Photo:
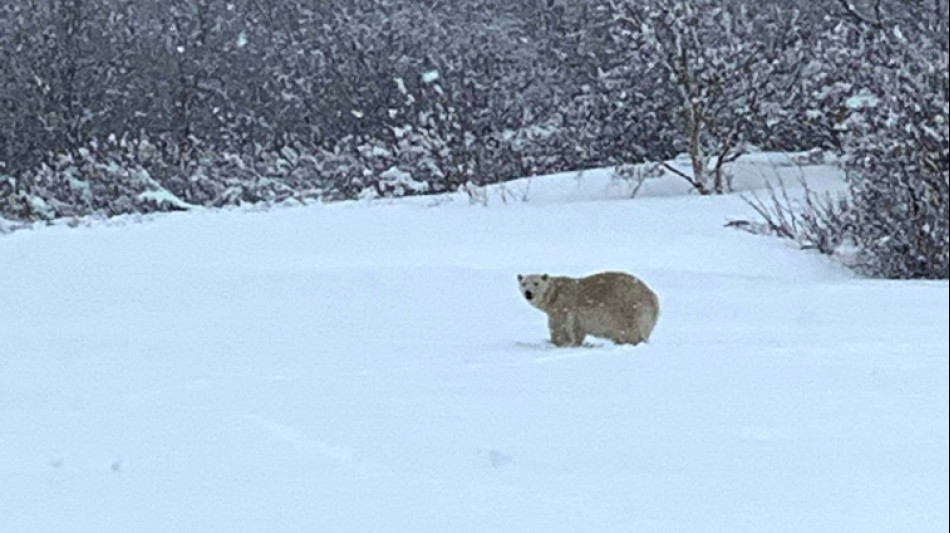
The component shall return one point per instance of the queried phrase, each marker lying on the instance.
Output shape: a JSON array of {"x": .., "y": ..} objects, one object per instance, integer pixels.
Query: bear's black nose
[{"x": 528, "y": 295}]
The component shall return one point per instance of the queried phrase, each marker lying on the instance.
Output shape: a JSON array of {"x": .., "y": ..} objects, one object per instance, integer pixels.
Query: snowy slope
[{"x": 372, "y": 368}]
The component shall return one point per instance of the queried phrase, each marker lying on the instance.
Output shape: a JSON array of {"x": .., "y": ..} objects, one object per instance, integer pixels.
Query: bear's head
[{"x": 533, "y": 287}]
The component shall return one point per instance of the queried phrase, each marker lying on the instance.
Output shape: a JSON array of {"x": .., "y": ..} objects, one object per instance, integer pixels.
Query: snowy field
[{"x": 371, "y": 367}]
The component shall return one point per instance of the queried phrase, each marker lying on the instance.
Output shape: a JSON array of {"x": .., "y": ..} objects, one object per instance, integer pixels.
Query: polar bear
[{"x": 610, "y": 305}]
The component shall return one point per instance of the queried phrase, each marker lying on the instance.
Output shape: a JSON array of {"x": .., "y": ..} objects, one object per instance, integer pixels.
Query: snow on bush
[
  {"x": 105, "y": 178},
  {"x": 880, "y": 82}
]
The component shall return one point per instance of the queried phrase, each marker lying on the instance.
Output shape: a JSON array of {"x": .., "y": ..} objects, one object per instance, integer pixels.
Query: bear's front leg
[
  {"x": 577, "y": 331},
  {"x": 564, "y": 331}
]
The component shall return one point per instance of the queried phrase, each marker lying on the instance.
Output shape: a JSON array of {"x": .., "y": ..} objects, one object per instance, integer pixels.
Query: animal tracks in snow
[{"x": 289, "y": 435}]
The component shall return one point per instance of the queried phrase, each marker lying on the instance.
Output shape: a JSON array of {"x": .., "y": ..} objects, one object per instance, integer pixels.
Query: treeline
[{"x": 116, "y": 106}]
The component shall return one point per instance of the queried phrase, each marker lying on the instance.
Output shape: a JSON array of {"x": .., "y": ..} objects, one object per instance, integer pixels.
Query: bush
[
  {"x": 886, "y": 84},
  {"x": 896, "y": 138}
]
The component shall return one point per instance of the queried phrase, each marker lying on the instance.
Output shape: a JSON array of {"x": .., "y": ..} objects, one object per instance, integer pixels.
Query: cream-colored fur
[{"x": 610, "y": 305}]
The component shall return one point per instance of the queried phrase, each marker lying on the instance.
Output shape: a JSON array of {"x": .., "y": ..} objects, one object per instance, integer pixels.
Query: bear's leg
[
  {"x": 561, "y": 337},
  {"x": 559, "y": 334},
  {"x": 577, "y": 333},
  {"x": 563, "y": 332},
  {"x": 628, "y": 335}
]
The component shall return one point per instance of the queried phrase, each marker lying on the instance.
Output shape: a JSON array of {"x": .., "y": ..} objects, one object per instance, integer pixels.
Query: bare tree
[{"x": 720, "y": 62}]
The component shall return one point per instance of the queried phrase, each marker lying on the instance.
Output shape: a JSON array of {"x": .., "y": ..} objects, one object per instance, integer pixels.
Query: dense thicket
[{"x": 116, "y": 106}]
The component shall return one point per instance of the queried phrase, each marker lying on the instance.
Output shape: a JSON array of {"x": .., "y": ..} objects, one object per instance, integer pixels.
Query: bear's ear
[
  {"x": 544, "y": 277},
  {"x": 520, "y": 277}
]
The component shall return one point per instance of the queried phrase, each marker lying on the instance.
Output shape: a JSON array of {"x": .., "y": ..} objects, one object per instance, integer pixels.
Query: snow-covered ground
[{"x": 371, "y": 367}]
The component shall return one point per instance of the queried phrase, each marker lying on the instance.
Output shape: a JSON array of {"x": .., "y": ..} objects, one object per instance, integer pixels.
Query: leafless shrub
[
  {"x": 632, "y": 177},
  {"x": 817, "y": 221}
]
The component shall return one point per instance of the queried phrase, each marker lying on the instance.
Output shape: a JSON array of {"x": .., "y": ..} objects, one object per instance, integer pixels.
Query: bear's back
[{"x": 606, "y": 284}]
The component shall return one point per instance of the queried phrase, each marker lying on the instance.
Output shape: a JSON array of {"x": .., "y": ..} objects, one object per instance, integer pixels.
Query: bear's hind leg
[{"x": 627, "y": 336}]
